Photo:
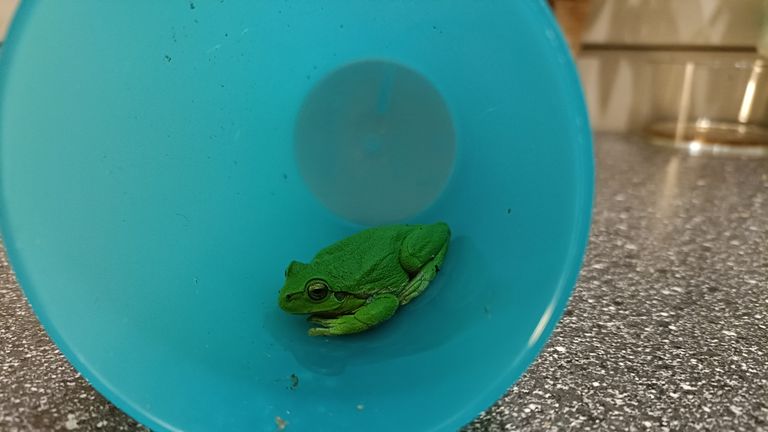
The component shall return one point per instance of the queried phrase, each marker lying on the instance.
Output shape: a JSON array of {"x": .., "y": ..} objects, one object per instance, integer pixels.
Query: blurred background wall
[
  {"x": 625, "y": 41},
  {"x": 6, "y": 12},
  {"x": 622, "y": 41}
]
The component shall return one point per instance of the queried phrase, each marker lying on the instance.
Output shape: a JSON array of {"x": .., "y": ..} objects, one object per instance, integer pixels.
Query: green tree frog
[{"x": 362, "y": 280}]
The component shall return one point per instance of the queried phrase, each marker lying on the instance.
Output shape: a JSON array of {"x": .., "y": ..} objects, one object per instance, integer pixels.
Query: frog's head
[{"x": 307, "y": 290}]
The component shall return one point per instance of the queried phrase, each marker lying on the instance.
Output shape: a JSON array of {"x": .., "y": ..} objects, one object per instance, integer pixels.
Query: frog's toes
[
  {"x": 319, "y": 331},
  {"x": 325, "y": 322}
]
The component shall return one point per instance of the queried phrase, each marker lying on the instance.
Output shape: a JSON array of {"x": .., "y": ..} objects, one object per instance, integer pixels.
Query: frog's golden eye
[{"x": 317, "y": 290}]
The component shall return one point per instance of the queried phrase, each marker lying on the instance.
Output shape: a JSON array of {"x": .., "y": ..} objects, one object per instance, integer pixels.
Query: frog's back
[
  {"x": 367, "y": 261},
  {"x": 372, "y": 242}
]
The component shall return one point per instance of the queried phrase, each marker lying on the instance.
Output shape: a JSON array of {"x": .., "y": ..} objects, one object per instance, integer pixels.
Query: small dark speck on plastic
[
  {"x": 285, "y": 176},
  {"x": 191, "y": 5},
  {"x": 509, "y": 211},
  {"x": 167, "y": 58},
  {"x": 294, "y": 381}
]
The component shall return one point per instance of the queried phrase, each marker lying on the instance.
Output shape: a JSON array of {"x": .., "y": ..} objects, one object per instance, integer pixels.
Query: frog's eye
[{"x": 317, "y": 290}]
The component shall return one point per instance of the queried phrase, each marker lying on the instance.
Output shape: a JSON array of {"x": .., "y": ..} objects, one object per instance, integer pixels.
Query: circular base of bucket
[
  {"x": 161, "y": 163},
  {"x": 375, "y": 128}
]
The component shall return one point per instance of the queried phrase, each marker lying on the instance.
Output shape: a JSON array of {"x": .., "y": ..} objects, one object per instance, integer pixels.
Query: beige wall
[
  {"x": 625, "y": 39},
  {"x": 620, "y": 85},
  {"x": 624, "y": 36},
  {"x": 7, "y": 7},
  {"x": 674, "y": 22}
]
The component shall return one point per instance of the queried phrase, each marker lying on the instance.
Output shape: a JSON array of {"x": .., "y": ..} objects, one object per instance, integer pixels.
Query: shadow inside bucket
[{"x": 460, "y": 296}]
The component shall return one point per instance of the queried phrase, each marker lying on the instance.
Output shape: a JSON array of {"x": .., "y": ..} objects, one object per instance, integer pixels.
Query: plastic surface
[{"x": 151, "y": 200}]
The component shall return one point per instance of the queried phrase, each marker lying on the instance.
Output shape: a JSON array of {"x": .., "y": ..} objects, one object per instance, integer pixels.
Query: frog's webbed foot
[
  {"x": 378, "y": 310},
  {"x": 344, "y": 324}
]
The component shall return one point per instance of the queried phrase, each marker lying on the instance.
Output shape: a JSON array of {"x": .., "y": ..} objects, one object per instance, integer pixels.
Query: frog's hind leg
[
  {"x": 422, "y": 245},
  {"x": 421, "y": 280},
  {"x": 380, "y": 309}
]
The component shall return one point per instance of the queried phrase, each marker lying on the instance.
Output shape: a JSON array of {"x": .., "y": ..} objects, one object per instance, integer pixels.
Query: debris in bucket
[
  {"x": 281, "y": 424},
  {"x": 360, "y": 407},
  {"x": 294, "y": 381},
  {"x": 509, "y": 211}
]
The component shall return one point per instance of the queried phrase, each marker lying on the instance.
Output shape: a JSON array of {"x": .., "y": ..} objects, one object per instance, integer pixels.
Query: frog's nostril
[{"x": 286, "y": 299}]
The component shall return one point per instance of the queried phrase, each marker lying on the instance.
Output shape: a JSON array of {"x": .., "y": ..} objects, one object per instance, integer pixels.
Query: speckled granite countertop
[{"x": 667, "y": 329}]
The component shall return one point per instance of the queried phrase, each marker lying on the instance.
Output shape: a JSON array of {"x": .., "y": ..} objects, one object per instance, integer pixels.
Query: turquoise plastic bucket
[{"x": 162, "y": 162}]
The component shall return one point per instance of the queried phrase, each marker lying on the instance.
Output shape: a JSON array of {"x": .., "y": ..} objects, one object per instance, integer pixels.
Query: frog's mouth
[
  {"x": 325, "y": 314},
  {"x": 347, "y": 304}
]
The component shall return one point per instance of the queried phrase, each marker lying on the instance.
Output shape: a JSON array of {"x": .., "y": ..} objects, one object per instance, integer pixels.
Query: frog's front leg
[{"x": 380, "y": 309}]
